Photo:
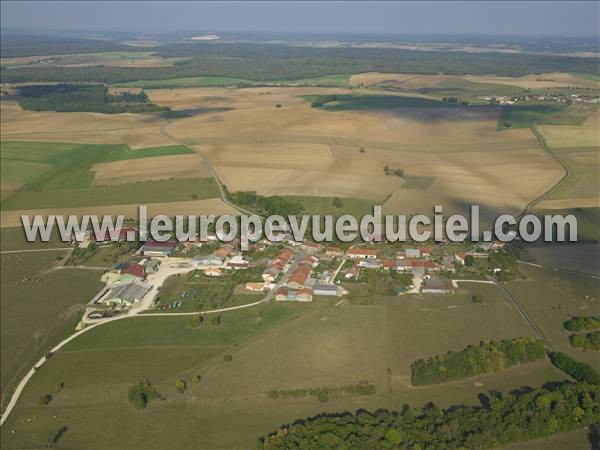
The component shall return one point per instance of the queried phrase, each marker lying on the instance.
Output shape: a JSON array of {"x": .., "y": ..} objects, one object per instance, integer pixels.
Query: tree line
[
  {"x": 65, "y": 97},
  {"x": 487, "y": 357},
  {"x": 499, "y": 420}
]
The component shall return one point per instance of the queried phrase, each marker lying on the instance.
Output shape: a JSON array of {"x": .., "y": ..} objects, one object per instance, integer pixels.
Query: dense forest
[
  {"x": 270, "y": 62},
  {"x": 499, "y": 420},
  {"x": 83, "y": 98},
  {"x": 487, "y": 357}
]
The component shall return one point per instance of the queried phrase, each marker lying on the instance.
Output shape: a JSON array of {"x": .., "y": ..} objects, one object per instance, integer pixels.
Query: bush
[
  {"x": 228, "y": 358},
  {"x": 56, "y": 436},
  {"x": 337, "y": 202},
  {"x": 582, "y": 323},
  {"x": 469, "y": 260},
  {"x": 44, "y": 399},
  {"x": 181, "y": 386},
  {"x": 216, "y": 321},
  {"x": 141, "y": 394},
  {"x": 196, "y": 321}
]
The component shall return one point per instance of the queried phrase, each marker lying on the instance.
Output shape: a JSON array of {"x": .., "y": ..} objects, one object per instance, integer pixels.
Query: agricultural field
[
  {"x": 274, "y": 346},
  {"x": 59, "y": 176},
  {"x": 32, "y": 292},
  {"x": 109, "y": 59},
  {"x": 448, "y": 153}
]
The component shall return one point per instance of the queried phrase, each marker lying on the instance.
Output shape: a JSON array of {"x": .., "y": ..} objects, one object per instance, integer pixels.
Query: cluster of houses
[{"x": 557, "y": 98}]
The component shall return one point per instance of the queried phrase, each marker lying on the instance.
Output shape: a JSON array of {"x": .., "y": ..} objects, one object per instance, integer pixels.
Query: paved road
[{"x": 6, "y": 252}]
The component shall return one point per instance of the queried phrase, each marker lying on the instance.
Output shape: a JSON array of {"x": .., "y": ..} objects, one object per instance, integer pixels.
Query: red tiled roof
[
  {"x": 135, "y": 270},
  {"x": 300, "y": 275},
  {"x": 285, "y": 254},
  {"x": 166, "y": 244},
  {"x": 362, "y": 251}
]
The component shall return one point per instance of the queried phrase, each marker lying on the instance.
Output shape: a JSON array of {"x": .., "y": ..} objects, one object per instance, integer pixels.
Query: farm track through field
[
  {"x": 222, "y": 189},
  {"x": 568, "y": 171}
]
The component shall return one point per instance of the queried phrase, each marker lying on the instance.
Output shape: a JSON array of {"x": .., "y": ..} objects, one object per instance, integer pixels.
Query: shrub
[
  {"x": 228, "y": 358},
  {"x": 477, "y": 299},
  {"x": 44, "y": 399},
  {"x": 141, "y": 394},
  {"x": 181, "y": 386}
]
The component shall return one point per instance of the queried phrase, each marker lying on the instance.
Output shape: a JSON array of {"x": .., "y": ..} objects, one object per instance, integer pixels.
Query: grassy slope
[
  {"x": 588, "y": 221},
  {"x": 296, "y": 345},
  {"x": 46, "y": 306},
  {"x": 523, "y": 115}
]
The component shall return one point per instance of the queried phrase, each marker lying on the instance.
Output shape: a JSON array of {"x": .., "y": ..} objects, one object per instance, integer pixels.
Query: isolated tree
[
  {"x": 469, "y": 260},
  {"x": 337, "y": 202}
]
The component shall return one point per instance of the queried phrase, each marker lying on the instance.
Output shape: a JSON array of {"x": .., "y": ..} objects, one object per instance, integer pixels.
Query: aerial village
[{"x": 286, "y": 271}]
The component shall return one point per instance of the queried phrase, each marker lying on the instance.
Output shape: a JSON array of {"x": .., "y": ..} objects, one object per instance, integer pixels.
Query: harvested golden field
[
  {"x": 561, "y": 136},
  {"x": 197, "y": 207},
  {"x": 135, "y": 130},
  {"x": 110, "y": 59},
  {"x": 153, "y": 168},
  {"x": 412, "y": 81},
  {"x": 450, "y": 156}
]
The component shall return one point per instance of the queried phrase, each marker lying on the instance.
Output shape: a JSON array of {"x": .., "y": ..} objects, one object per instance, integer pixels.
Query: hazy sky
[{"x": 490, "y": 18}]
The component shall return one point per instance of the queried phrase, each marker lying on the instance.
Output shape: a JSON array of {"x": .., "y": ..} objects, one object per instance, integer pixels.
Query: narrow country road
[{"x": 137, "y": 313}]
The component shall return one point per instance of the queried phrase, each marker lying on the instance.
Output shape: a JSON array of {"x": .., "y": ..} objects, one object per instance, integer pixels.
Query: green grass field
[
  {"x": 584, "y": 179},
  {"x": 208, "y": 81},
  {"x": 140, "y": 193},
  {"x": 524, "y": 115},
  {"x": 325, "y": 205},
  {"x": 59, "y": 175},
  {"x": 14, "y": 238},
  {"x": 360, "y": 101},
  {"x": 588, "y": 221},
  {"x": 574, "y": 114},
  {"x": 470, "y": 90},
  {"x": 552, "y": 297},
  {"x": 274, "y": 346},
  {"x": 199, "y": 292},
  {"x": 38, "y": 309}
]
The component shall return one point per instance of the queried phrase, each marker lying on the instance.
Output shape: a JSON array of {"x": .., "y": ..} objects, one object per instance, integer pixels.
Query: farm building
[
  {"x": 135, "y": 270},
  {"x": 370, "y": 263},
  {"x": 270, "y": 274},
  {"x": 151, "y": 265},
  {"x": 459, "y": 257},
  {"x": 413, "y": 253},
  {"x": 299, "y": 295},
  {"x": 238, "y": 262},
  {"x": 298, "y": 278},
  {"x": 207, "y": 260},
  {"x": 126, "y": 293},
  {"x": 310, "y": 247},
  {"x": 438, "y": 286},
  {"x": 160, "y": 249},
  {"x": 361, "y": 253},
  {"x": 123, "y": 235},
  {"x": 255, "y": 287},
  {"x": 213, "y": 272},
  {"x": 334, "y": 251},
  {"x": 326, "y": 289}
]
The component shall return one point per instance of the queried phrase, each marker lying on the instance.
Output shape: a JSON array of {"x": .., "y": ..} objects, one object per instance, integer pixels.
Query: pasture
[
  {"x": 274, "y": 346},
  {"x": 552, "y": 297},
  {"x": 31, "y": 294}
]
